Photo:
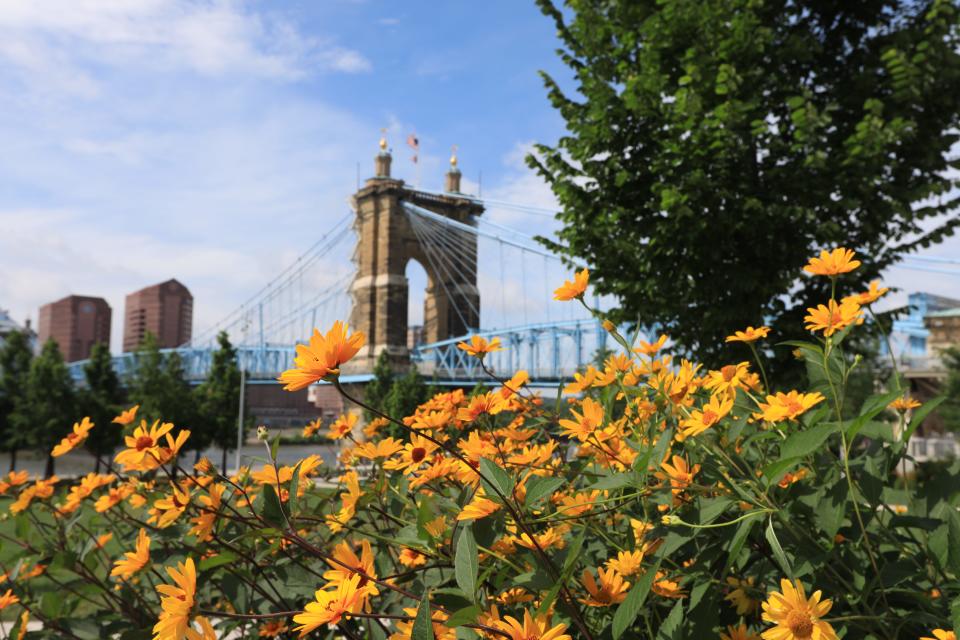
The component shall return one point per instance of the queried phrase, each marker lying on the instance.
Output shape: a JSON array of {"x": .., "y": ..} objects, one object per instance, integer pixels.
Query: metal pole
[{"x": 243, "y": 388}]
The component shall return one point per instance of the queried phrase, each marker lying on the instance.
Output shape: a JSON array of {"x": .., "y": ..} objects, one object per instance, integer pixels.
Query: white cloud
[{"x": 51, "y": 41}]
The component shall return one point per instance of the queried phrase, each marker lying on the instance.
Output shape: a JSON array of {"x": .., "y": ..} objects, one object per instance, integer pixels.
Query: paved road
[{"x": 80, "y": 462}]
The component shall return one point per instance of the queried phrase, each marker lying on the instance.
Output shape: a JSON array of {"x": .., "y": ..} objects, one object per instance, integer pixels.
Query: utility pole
[{"x": 243, "y": 389}]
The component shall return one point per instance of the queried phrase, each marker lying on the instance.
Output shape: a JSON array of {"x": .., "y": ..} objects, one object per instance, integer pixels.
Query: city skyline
[{"x": 215, "y": 142}]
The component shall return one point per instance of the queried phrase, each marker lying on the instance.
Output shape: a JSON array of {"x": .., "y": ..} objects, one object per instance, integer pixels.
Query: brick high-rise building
[
  {"x": 76, "y": 323},
  {"x": 165, "y": 310}
]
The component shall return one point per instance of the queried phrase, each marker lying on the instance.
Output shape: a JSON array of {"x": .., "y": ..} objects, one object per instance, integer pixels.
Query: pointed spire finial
[
  {"x": 453, "y": 157},
  {"x": 383, "y": 139}
]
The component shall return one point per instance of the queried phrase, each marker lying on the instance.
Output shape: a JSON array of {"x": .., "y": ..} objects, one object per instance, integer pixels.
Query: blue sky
[{"x": 213, "y": 141}]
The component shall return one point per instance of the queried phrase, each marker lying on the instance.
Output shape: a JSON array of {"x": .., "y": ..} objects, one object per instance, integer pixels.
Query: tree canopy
[
  {"x": 50, "y": 400},
  {"x": 15, "y": 359},
  {"x": 219, "y": 398},
  {"x": 712, "y": 147}
]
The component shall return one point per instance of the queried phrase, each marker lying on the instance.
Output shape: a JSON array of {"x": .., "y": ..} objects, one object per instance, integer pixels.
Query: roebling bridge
[{"x": 482, "y": 277}]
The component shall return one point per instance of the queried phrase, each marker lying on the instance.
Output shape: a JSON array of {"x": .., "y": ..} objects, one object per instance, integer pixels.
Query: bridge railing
[
  {"x": 547, "y": 351},
  {"x": 262, "y": 362}
]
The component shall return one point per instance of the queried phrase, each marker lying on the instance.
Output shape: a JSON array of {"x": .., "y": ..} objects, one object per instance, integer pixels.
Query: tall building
[
  {"x": 165, "y": 310},
  {"x": 8, "y": 325},
  {"x": 76, "y": 323}
]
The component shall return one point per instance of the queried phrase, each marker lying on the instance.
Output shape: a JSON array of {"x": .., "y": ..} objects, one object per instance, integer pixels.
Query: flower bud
[{"x": 262, "y": 433}]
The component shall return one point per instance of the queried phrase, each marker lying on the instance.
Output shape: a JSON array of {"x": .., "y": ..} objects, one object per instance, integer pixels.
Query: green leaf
[
  {"x": 274, "y": 448},
  {"x": 918, "y": 416},
  {"x": 573, "y": 554},
  {"x": 738, "y": 540},
  {"x": 872, "y": 407},
  {"x": 671, "y": 627},
  {"x": 466, "y": 615},
  {"x": 422, "y": 625},
  {"x": 222, "y": 558},
  {"x": 805, "y": 442},
  {"x": 778, "y": 553},
  {"x": 773, "y": 471},
  {"x": 953, "y": 540},
  {"x": 955, "y": 612},
  {"x": 539, "y": 487},
  {"x": 467, "y": 563},
  {"x": 294, "y": 488},
  {"x": 628, "y": 610},
  {"x": 614, "y": 481},
  {"x": 500, "y": 479},
  {"x": 270, "y": 509}
]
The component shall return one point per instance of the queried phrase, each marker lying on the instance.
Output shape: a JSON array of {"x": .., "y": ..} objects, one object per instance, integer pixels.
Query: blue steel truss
[{"x": 549, "y": 352}]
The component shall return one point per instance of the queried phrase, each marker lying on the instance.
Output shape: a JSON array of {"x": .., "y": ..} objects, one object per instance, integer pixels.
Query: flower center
[
  {"x": 418, "y": 454},
  {"x": 800, "y": 623},
  {"x": 728, "y": 372},
  {"x": 709, "y": 417},
  {"x": 144, "y": 442}
]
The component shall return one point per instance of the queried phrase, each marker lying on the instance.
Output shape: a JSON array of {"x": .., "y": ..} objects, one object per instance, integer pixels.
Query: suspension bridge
[{"x": 358, "y": 271}]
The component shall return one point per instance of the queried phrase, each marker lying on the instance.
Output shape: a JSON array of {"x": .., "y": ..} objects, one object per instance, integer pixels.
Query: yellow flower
[
  {"x": 126, "y": 417},
  {"x": 532, "y": 628},
  {"x": 832, "y": 263},
  {"x": 730, "y": 378},
  {"x": 749, "y": 334},
  {"x": 342, "y": 426},
  {"x": 103, "y": 539},
  {"x": 322, "y": 356},
  {"x": 412, "y": 558},
  {"x": 649, "y": 349},
  {"x": 710, "y": 414},
  {"x": 627, "y": 563},
  {"x": 204, "y": 522},
  {"x": 8, "y": 599},
  {"x": 941, "y": 634},
  {"x": 516, "y": 595},
  {"x": 329, "y": 607},
  {"x": 739, "y": 598},
  {"x": 206, "y": 631},
  {"x": 573, "y": 289},
  {"x": 166, "y": 510},
  {"x": 144, "y": 450},
  {"x": 13, "y": 479},
  {"x": 440, "y": 630},
  {"x": 382, "y": 449},
  {"x": 833, "y": 317},
  {"x": 584, "y": 425},
  {"x": 272, "y": 629},
  {"x": 133, "y": 561},
  {"x": 364, "y": 567},
  {"x": 741, "y": 632},
  {"x": 788, "y": 406},
  {"x": 869, "y": 296},
  {"x": 312, "y": 428},
  {"x": 479, "y": 347},
  {"x": 665, "y": 587},
  {"x": 176, "y": 602},
  {"x": 680, "y": 473},
  {"x": 80, "y": 432},
  {"x": 479, "y": 507},
  {"x": 611, "y": 590},
  {"x": 796, "y": 617},
  {"x": 903, "y": 404}
]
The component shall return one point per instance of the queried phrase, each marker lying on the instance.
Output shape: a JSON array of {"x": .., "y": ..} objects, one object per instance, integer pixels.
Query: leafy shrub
[{"x": 651, "y": 499}]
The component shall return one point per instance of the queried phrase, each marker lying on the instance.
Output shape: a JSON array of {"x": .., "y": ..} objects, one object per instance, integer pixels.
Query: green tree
[
  {"x": 100, "y": 400},
  {"x": 950, "y": 409},
  {"x": 15, "y": 359},
  {"x": 407, "y": 392},
  {"x": 219, "y": 398},
  {"x": 160, "y": 387},
  {"x": 375, "y": 392},
  {"x": 50, "y": 401},
  {"x": 713, "y": 147}
]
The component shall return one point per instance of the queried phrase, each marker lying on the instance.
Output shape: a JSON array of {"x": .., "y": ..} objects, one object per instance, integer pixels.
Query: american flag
[{"x": 414, "y": 143}]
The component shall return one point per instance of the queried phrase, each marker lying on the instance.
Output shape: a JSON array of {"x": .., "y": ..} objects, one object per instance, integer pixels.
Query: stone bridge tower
[{"x": 387, "y": 242}]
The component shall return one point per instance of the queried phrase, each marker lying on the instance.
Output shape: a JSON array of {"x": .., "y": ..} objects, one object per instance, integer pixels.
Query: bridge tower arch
[{"x": 387, "y": 241}]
